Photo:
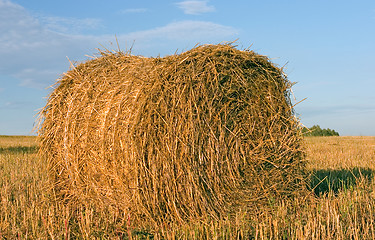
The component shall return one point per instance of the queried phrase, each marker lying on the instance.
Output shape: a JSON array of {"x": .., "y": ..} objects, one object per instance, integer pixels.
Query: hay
[{"x": 178, "y": 138}]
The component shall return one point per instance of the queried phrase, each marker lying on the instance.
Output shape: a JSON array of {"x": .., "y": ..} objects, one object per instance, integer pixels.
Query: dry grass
[
  {"x": 8, "y": 142},
  {"x": 28, "y": 209},
  {"x": 177, "y": 139},
  {"x": 340, "y": 152}
]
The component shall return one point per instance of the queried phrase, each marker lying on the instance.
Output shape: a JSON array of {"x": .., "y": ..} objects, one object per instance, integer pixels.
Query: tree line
[{"x": 316, "y": 130}]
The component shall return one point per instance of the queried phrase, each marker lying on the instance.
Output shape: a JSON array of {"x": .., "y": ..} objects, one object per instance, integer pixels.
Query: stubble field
[{"x": 341, "y": 203}]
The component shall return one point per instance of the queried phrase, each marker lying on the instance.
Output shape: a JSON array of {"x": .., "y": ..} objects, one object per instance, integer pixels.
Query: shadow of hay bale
[
  {"x": 324, "y": 181},
  {"x": 180, "y": 138}
]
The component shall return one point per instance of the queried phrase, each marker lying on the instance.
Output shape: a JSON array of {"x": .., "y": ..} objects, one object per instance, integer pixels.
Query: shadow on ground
[
  {"x": 324, "y": 180},
  {"x": 18, "y": 149}
]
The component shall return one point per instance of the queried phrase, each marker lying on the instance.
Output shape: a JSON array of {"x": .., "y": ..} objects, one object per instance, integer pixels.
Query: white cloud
[
  {"x": 175, "y": 36},
  {"x": 69, "y": 25},
  {"x": 32, "y": 53},
  {"x": 185, "y": 30},
  {"x": 195, "y": 7},
  {"x": 5, "y": 3}
]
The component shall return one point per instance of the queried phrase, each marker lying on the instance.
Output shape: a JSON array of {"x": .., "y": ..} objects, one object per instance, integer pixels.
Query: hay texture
[{"x": 183, "y": 137}]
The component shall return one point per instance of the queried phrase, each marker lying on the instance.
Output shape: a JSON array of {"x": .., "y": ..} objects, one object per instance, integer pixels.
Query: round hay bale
[{"x": 177, "y": 138}]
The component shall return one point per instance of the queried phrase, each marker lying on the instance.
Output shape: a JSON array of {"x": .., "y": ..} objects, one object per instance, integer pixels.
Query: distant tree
[{"x": 316, "y": 130}]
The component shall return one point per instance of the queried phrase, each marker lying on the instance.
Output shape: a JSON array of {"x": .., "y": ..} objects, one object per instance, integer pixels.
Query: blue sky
[{"x": 327, "y": 47}]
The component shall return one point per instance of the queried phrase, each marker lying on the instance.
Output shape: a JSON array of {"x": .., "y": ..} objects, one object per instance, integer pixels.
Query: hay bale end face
[{"x": 176, "y": 138}]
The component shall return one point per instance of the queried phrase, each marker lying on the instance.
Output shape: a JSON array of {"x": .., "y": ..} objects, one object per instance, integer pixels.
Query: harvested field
[{"x": 29, "y": 209}]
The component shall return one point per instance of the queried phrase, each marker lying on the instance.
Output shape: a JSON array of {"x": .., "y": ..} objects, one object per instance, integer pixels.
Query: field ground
[{"x": 341, "y": 204}]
